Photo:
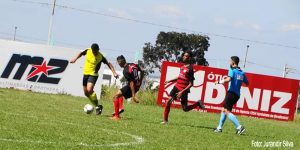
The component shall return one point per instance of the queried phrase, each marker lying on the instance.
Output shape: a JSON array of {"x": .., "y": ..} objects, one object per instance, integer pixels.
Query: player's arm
[
  {"x": 142, "y": 73},
  {"x": 78, "y": 56},
  {"x": 131, "y": 84},
  {"x": 172, "y": 80},
  {"x": 223, "y": 81},
  {"x": 191, "y": 83},
  {"x": 111, "y": 67},
  {"x": 226, "y": 79},
  {"x": 246, "y": 80},
  {"x": 179, "y": 94},
  {"x": 130, "y": 80}
]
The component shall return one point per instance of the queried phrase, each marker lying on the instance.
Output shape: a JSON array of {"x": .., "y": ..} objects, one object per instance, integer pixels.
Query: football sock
[
  {"x": 93, "y": 99},
  {"x": 166, "y": 113},
  {"x": 234, "y": 120},
  {"x": 120, "y": 99},
  {"x": 116, "y": 106},
  {"x": 222, "y": 120}
]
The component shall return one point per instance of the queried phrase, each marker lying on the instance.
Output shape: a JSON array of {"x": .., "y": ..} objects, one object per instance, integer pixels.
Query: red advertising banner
[{"x": 266, "y": 97}]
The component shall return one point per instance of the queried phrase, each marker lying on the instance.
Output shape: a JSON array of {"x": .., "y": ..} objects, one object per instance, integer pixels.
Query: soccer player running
[
  {"x": 131, "y": 74},
  {"x": 92, "y": 64},
  {"x": 236, "y": 77},
  {"x": 182, "y": 87}
]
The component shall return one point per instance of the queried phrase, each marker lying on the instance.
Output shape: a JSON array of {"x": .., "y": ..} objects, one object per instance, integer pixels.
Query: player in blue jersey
[{"x": 236, "y": 77}]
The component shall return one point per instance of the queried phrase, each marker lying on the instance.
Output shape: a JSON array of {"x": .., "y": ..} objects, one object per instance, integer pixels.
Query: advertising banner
[
  {"x": 266, "y": 96},
  {"x": 42, "y": 68}
]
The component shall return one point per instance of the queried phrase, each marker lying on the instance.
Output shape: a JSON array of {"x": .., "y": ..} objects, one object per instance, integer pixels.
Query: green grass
[
  {"x": 44, "y": 121},
  {"x": 148, "y": 96}
]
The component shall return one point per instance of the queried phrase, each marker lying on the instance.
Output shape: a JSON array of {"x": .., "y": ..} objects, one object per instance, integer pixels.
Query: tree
[{"x": 170, "y": 45}]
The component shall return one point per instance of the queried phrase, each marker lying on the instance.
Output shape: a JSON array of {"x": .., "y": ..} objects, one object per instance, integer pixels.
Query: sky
[{"x": 80, "y": 23}]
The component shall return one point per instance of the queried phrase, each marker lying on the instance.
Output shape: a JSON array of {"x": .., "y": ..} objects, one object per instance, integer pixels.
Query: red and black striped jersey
[
  {"x": 185, "y": 77},
  {"x": 130, "y": 73}
]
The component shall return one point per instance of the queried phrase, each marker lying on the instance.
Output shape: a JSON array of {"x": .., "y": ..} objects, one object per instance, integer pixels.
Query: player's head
[
  {"x": 234, "y": 61},
  {"x": 95, "y": 47},
  {"x": 121, "y": 61},
  {"x": 186, "y": 57}
]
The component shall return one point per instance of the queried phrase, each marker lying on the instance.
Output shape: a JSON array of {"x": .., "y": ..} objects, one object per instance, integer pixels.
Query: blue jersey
[{"x": 237, "y": 79}]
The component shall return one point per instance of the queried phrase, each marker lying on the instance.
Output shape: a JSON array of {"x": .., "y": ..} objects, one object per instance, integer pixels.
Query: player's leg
[
  {"x": 221, "y": 121},
  {"x": 223, "y": 116},
  {"x": 85, "y": 91},
  {"x": 120, "y": 105},
  {"x": 120, "y": 99},
  {"x": 168, "y": 104},
  {"x": 88, "y": 89},
  {"x": 126, "y": 92},
  {"x": 228, "y": 108},
  {"x": 137, "y": 99},
  {"x": 116, "y": 115},
  {"x": 186, "y": 107},
  {"x": 167, "y": 110},
  {"x": 123, "y": 92},
  {"x": 184, "y": 103},
  {"x": 92, "y": 94},
  {"x": 84, "y": 84}
]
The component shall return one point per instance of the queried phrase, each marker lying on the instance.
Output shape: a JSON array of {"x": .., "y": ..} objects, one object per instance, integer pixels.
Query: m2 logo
[{"x": 40, "y": 71}]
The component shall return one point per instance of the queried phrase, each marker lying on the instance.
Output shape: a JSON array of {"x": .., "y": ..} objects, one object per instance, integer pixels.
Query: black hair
[
  {"x": 235, "y": 59},
  {"x": 189, "y": 52},
  {"x": 95, "y": 47},
  {"x": 121, "y": 57}
]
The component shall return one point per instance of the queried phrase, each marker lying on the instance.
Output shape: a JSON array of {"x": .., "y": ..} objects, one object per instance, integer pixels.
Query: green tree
[{"x": 170, "y": 45}]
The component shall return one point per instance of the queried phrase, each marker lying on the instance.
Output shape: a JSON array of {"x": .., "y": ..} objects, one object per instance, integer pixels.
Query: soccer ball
[{"x": 88, "y": 108}]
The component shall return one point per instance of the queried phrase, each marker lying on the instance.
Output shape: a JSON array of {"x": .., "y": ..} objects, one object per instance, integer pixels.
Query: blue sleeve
[{"x": 230, "y": 73}]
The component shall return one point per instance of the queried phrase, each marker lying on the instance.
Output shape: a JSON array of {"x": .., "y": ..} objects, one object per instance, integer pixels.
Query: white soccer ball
[{"x": 88, "y": 108}]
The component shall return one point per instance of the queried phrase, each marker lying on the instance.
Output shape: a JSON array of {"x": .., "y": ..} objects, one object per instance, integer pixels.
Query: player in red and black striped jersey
[
  {"x": 131, "y": 74},
  {"x": 182, "y": 87}
]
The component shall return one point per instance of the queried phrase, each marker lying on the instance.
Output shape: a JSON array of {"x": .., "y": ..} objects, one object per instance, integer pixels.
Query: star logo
[{"x": 39, "y": 69}]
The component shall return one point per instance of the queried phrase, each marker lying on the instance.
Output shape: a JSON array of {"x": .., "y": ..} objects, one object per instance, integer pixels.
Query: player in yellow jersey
[{"x": 92, "y": 64}]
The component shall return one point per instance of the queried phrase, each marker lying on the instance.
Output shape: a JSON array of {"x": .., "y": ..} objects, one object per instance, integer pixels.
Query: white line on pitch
[{"x": 137, "y": 139}]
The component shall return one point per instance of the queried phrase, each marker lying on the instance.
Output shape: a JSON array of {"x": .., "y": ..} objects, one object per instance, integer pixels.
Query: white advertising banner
[{"x": 42, "y": 68}]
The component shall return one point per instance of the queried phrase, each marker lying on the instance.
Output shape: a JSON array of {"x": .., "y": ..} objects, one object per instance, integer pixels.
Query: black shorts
[
  {"x": 89, "y": 78},
  {"x": 230, "y": 100},
  {"x": 126, "y": 91},
  {"x": 184, "y": 96}
]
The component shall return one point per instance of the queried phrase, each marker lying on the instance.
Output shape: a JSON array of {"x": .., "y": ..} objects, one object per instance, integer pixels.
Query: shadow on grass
[
  {"x": 155, "y": 122},
  {"x": 194, "y": 126}
]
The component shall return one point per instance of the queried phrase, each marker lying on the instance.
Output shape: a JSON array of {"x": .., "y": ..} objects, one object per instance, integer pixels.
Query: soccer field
[{"x": 44, "y": 121}]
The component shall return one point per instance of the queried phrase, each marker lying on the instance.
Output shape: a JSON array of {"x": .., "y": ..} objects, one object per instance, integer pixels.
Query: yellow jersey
[{"x": 92, "y": 62}]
